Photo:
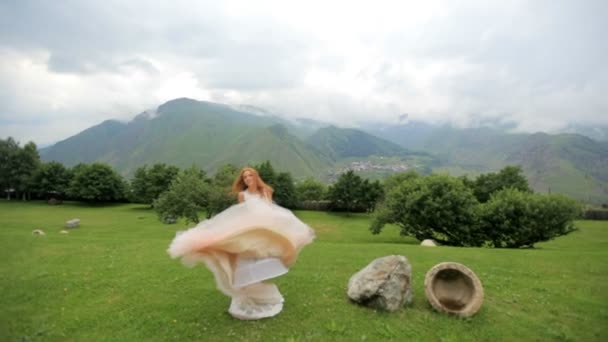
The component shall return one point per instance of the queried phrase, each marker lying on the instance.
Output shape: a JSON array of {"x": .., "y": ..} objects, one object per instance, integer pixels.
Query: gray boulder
[
  {"x": 73, "y": 223},
  {"x": 386, "y": 284}
]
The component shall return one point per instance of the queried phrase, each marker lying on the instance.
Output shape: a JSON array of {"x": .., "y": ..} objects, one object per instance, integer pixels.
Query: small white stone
[{"x": 428, "y": 243}]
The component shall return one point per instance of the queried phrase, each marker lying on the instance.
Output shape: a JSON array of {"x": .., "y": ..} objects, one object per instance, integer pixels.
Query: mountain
[
  {"x": 368, "y": 155},
  {"x": 275, "y": 143},
  {"x": 565, "y": 163},
  {"x": 183, "y": 132},
  {"x": 407, "y": 135},
  {"x": 596, "y": 132},
  {"x": 572, "y": 164},
  {"x": 87, "y": 146},
  {"x": 340, "y": 143}
]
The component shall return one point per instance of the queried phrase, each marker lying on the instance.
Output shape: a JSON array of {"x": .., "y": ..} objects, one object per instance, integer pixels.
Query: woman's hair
[{"x": 239, "y": 184}]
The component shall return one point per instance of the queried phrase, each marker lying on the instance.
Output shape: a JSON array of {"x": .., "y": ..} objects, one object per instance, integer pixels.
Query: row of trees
[{"x": 23, "y": 174}]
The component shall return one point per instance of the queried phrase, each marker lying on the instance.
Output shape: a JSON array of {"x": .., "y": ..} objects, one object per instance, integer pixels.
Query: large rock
[
  {"x": 453, "y": 288},
  {"x": 73, "y": 223},
  {"x": 383, "y": 284}
]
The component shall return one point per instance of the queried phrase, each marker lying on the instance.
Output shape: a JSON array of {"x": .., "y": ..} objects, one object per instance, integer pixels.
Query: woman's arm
[{"x": 241, "y": 197}]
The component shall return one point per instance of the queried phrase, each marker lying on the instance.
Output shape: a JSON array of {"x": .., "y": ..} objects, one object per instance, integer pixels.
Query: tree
[
  {"x": 17, "y": 165},
  {"x": 509, "y": 177},
  {"x": 371, "y": 194},
  {"x": 395, "y": 179},
  {"x": 148, "y": 184},
  {"x": 96, "y": 182},
  {"x": 345, "y": 194},
  {"x": 52, "y": 177},
  {"x": 284, "y": 190},
  {"x": 29, "y": 161},
  {"x": 220, "y": 193},
  {"x": 282, "y": 184},
  {"x": 513, "y": 218},
  {"x": 436, "y": 207},
  {"x": 266, "y": 172},
  {"x": 9, "y": 151},
  {"x": 139, "y": 185},
  {"x": 310, "y": 189},
  {"x": 186, "y": 197}
]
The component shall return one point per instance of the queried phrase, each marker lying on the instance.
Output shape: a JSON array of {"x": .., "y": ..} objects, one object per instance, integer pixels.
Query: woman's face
[{"x": 249, "y": 178}]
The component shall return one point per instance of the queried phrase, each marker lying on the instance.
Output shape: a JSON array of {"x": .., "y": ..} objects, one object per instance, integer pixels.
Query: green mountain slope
[
  {"x": 275, "y": 143},
  {"x": 476, "y": 150},
  {"x": 184, "y": 132},
  {"x": 86, "y": 146},
  {"x": 340, "y": 143},
  {"x": 565, "y": 163}
]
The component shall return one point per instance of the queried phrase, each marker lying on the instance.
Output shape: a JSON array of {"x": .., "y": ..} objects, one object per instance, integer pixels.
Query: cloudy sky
[{"x": 538, "y": 65}]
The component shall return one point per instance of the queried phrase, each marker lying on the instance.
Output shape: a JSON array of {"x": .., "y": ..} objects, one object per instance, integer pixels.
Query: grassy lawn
[{"x": 111, "y": 279}]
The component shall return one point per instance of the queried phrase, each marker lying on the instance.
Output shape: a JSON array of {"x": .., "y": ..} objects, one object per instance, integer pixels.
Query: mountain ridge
[{"x": 183, "y": 132}]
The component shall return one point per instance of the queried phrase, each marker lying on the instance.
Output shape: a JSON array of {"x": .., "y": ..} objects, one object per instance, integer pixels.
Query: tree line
[
  {"x": 23, "y": 175},
  {"x": 495, "y": 209}
]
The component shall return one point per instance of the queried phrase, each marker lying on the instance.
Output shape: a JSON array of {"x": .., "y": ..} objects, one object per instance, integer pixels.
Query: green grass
[{"x": 111, "y": 279}]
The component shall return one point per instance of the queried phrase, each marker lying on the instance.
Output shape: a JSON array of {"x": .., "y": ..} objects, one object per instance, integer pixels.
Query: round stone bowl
[{"x": 453, "y": 288}]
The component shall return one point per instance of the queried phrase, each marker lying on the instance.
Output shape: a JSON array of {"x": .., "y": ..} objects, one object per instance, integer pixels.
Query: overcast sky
[{"x": 68, "y": 65}]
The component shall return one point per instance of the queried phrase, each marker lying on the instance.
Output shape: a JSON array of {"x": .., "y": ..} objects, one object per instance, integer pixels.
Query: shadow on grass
[
  {"x": 343, "y": 214},
  {"x": 93, "y": 204},
  {"x": 67, "y": 203},
  {"x": 404, "y": 240},
  {"x": 142, "y": 207}
]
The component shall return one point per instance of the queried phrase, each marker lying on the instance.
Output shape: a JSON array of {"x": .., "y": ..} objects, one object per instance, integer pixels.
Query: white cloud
[{"x": 539, "y": 65}]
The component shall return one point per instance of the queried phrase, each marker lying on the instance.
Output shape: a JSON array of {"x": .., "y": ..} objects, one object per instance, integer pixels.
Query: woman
[{"x": 244, "y": 245}]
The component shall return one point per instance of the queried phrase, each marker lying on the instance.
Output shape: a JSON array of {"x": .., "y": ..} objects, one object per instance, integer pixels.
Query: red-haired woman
[{"x": 244, "y": 245}]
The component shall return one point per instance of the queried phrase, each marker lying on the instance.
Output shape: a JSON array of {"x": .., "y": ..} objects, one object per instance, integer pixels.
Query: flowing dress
[{"x": 246, "y": 243}]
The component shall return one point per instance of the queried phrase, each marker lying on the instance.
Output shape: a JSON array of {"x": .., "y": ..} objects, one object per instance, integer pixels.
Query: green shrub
[
  {"x": 186, "y": 197},
  {"x": 310, "y": 189},
  {"x": 436, "y": 207},
  {"x": 514, "y": 218},
  {"x": 487, "y": 184}
]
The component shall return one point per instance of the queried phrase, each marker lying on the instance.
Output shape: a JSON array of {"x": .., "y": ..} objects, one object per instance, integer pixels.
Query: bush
[
  {"x": 310, "y": 189},
  {"x": 514, "y": 218},
  {"x": 487, "y": 184},
  {"x": 436, "y": 207},
  {"x": 97, "y": 182},
  {"x": 186, "y": 197},
  {"x": 351, "y": 193}
]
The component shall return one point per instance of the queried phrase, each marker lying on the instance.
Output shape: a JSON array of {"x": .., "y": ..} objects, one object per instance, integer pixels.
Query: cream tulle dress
[{"x": 245, "y": 244}]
